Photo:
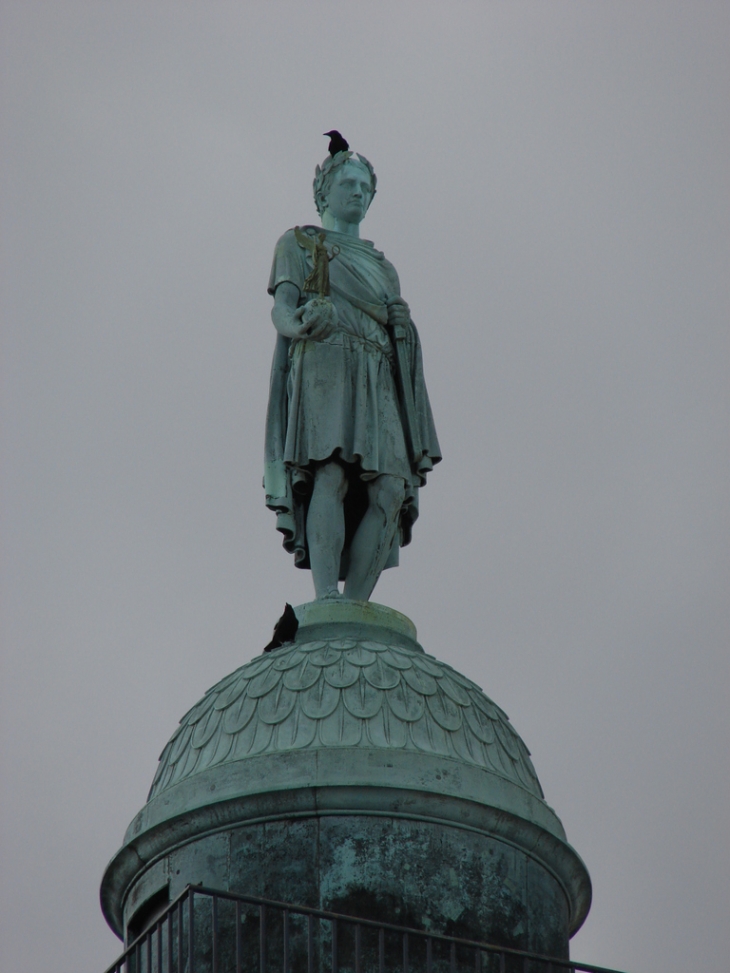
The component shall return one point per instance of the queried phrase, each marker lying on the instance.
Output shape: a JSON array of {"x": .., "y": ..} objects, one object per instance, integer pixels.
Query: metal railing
[{"x": 209, "y": 931}]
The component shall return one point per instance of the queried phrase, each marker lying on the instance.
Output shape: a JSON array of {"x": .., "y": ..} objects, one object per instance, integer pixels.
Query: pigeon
[
  {"x": 337, "y": 143},
  {"x": 284, "y": 630}
]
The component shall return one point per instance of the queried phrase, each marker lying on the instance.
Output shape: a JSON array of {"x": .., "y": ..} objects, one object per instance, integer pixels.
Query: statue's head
[{"x": 341, "y": 167}]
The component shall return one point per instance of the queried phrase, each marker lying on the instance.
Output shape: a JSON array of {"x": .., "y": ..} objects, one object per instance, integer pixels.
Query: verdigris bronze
[
  {"x": 344, "y": 768},
  {"x": 351, "y": 771},
  {"x": 350, "y": 436}
]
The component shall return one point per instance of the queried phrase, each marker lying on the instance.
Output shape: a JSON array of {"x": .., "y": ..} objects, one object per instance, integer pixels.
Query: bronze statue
[{"x": 349, "y": 435}]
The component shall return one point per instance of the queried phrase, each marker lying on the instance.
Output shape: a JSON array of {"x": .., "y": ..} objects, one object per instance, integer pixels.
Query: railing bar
[
  {"x": 322, "y": 914},
  {"x": 262, "y": 939},
  {"x": 335, "y": 966},
  {"x": 286, "y": 941},
  {"x": 310, "y": 944},
  {"x": 405, "y": 952},
  {"x": 169, "y": 942},
  {"x": 239, "y": 945},
  {"x": 134, "y": 953},
  {"x": 191, "y": 932},
  {"x": 179, "y": 936},
  {"x": 429, "y": 955},
  {"x": 159, "y": 947},
  {"x": 149, "y": 951},
  {"x": 357, "y": 947},
  {"x": 181, "y": 896},
  {"x": 502, "y": 963},
  {"x": 452, "y": 958},
  {"x": 381, "y": 951},
  {"x": 214, "y": 933}
]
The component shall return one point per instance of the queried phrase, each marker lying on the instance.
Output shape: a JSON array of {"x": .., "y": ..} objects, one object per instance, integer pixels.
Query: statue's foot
[{"x": 332, "y": 593}]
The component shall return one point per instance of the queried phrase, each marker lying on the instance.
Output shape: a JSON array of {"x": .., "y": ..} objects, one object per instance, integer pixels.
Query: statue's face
[{"x": 350, "y": 193}]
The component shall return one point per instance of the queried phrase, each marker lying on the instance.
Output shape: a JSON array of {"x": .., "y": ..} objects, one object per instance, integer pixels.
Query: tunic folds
[{"x": 337, "y": 398}]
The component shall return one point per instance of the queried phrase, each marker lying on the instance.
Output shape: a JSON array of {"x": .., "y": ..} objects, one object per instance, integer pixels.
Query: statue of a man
[{"x": 349, "y": 431}]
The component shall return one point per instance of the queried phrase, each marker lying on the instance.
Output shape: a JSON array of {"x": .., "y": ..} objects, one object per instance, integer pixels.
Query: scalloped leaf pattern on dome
[{"x": 345, "y": 693}]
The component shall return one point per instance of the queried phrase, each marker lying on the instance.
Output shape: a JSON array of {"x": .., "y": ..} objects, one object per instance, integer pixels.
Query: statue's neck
[{"x": 329, "y": 222}]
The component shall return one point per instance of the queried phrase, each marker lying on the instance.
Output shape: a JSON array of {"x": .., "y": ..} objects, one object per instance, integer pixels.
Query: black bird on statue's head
[
  {"x": 284, "y": 630},
  {"x": 337, "y": 143}
]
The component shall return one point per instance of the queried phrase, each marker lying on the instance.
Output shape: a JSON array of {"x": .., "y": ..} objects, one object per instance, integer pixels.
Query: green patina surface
[
  {"x": 350, "y": 437},
  {"x": 350, "y": 770},
  {"x": 344, "y": 690}
]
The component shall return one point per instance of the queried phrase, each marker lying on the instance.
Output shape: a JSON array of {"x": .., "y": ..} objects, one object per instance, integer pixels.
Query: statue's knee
[
  {"x": 389, "y": 493},
  {"x": 333, "y": 479}
]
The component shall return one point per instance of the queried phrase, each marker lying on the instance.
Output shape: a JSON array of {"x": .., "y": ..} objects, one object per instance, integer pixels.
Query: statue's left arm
[{"x": 399, "y": 313}]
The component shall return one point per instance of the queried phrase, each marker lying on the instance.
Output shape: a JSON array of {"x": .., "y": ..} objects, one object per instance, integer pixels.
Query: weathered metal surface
[
  {"x": 350, "y": 770},
  {"x": 350, "y": 438},
  {"x": 216, "y": 931},
  {"x": 354, "y": 692}
]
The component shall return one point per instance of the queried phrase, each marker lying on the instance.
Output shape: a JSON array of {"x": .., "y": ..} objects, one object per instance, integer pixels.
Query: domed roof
[
  {"x": 352, "y": 718},
  {"x": 358, "y": 692}
]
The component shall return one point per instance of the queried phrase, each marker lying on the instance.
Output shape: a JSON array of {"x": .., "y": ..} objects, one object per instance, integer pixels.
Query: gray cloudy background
[{"x": 554, "y": 193}]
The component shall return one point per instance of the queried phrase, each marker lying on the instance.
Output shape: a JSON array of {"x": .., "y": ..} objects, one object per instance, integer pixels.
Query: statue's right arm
[
  {"x": 313, "y": 321},
  {"x": 285, "y": 314}
]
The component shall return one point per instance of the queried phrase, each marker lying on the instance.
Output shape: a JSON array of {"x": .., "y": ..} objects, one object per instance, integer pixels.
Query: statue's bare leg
[
  {"x": 326, "y": 527},
  {"x": 374, "y": 536}
]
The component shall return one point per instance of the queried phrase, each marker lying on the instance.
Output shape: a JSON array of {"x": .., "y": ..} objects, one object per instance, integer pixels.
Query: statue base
[{"x": 341, "y": 617}]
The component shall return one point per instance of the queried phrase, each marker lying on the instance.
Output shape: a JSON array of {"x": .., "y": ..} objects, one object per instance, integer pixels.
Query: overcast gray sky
[{"x": 553, "y": 189}]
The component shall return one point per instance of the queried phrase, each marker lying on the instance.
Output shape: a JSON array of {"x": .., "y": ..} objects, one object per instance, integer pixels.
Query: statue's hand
[
  {"x": 318, "y": 319},
  {"x": 399, "y": 314}
]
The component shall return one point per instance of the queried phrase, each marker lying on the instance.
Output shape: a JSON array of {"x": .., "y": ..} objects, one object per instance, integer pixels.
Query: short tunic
[{"x": 342, "y": 399}]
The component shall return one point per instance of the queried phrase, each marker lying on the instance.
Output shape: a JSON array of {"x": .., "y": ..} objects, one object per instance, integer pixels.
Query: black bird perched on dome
[
  {"x": 284, "y": 630},
  {"x": 337, "y": 142}
]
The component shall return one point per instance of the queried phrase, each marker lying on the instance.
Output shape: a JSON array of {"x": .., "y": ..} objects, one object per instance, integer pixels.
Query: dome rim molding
[{"x": 499, "y": 812}]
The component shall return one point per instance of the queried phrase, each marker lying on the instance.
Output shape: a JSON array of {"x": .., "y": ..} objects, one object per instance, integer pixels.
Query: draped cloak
[{"x": 342, "y": 398}]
